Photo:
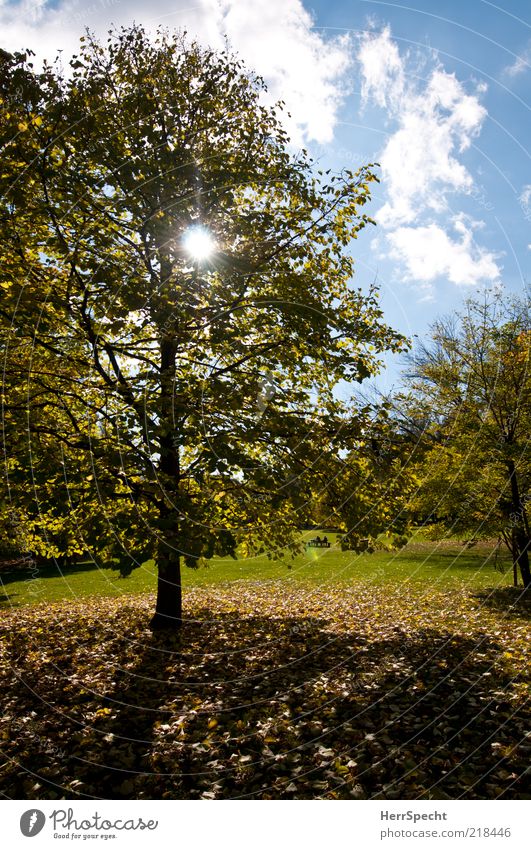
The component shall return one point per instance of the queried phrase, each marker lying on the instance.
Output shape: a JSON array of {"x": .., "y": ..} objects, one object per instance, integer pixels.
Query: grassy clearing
[{"x": 442, "y": 565}]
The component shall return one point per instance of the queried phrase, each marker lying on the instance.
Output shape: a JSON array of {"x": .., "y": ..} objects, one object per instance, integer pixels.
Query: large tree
[
  {"x": 197, "y": 392},
  {"x": 468, "y": 414}
]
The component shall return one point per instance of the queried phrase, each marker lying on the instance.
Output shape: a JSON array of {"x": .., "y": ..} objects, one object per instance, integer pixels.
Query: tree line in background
[{"x": 158, "y": 406}]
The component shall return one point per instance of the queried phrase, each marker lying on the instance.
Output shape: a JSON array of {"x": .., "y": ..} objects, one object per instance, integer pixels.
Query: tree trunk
[
  {"x": 521, "y": 528},
  {"x": 168, "y": 611},
  {"x": 523, "y": 558},
  {"x": 514, "y": 556}
]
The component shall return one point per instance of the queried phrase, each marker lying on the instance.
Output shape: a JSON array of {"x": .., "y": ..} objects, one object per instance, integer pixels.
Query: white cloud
[
  {"x": 303, "y": 69},
  {"x": 525, "y": 196},
  {"x": 429, "y": 252},
  {"x": 521, "y": 64},
  {"x": 277, "y": 39},
  {"x": 383, "y": 77},
  {"x": 435, "y": 120}
]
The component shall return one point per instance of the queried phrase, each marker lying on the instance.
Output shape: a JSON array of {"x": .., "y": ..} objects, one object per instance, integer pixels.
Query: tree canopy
[{"x": 469, "y": 410}]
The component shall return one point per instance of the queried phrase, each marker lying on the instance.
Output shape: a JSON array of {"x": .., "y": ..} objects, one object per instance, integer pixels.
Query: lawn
[
  {"x": 437, "y": 564},
  {"x": 398, "y": 675}
]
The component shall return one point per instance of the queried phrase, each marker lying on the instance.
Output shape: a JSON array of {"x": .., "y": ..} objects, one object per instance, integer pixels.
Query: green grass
[{"x": 439, "y": 564}]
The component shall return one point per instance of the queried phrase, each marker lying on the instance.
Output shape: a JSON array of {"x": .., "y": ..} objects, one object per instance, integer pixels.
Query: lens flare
[{"x": 198, "y": 243}]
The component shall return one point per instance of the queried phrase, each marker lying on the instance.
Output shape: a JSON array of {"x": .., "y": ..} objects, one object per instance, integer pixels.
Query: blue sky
[
  {"x": 438, "y": 94},
  {"x": 442, "y": 97}
]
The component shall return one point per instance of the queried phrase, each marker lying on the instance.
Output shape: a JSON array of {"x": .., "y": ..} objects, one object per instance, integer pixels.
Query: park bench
[{"x": 318, "y": 543}]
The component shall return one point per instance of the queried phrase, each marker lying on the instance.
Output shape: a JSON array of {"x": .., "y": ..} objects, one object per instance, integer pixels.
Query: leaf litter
[{"x": 362, "y": 692}]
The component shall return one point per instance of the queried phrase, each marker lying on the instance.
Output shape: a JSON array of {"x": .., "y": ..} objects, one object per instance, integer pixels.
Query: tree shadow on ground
[
  {"x": 5, "y": 597},
  {"x": 265, "y": 707},
  {"x": 460, "y": 557},
  {"x": 34, "y": 571},
  {"x": 512, "y": 601}
]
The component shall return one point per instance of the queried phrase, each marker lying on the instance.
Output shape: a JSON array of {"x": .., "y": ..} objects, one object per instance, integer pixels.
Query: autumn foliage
[{"x": 345, "y": 693}]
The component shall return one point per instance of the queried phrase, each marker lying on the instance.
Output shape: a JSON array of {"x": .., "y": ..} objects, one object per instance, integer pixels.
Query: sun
[{"x": 199, "y": 243}]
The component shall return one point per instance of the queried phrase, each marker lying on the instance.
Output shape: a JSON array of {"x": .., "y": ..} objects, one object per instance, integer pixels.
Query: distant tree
[
  {"x": 364, "y": 490},
  {"x": 193, "y": 394},
  {"x": 468, "y": 410}
]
